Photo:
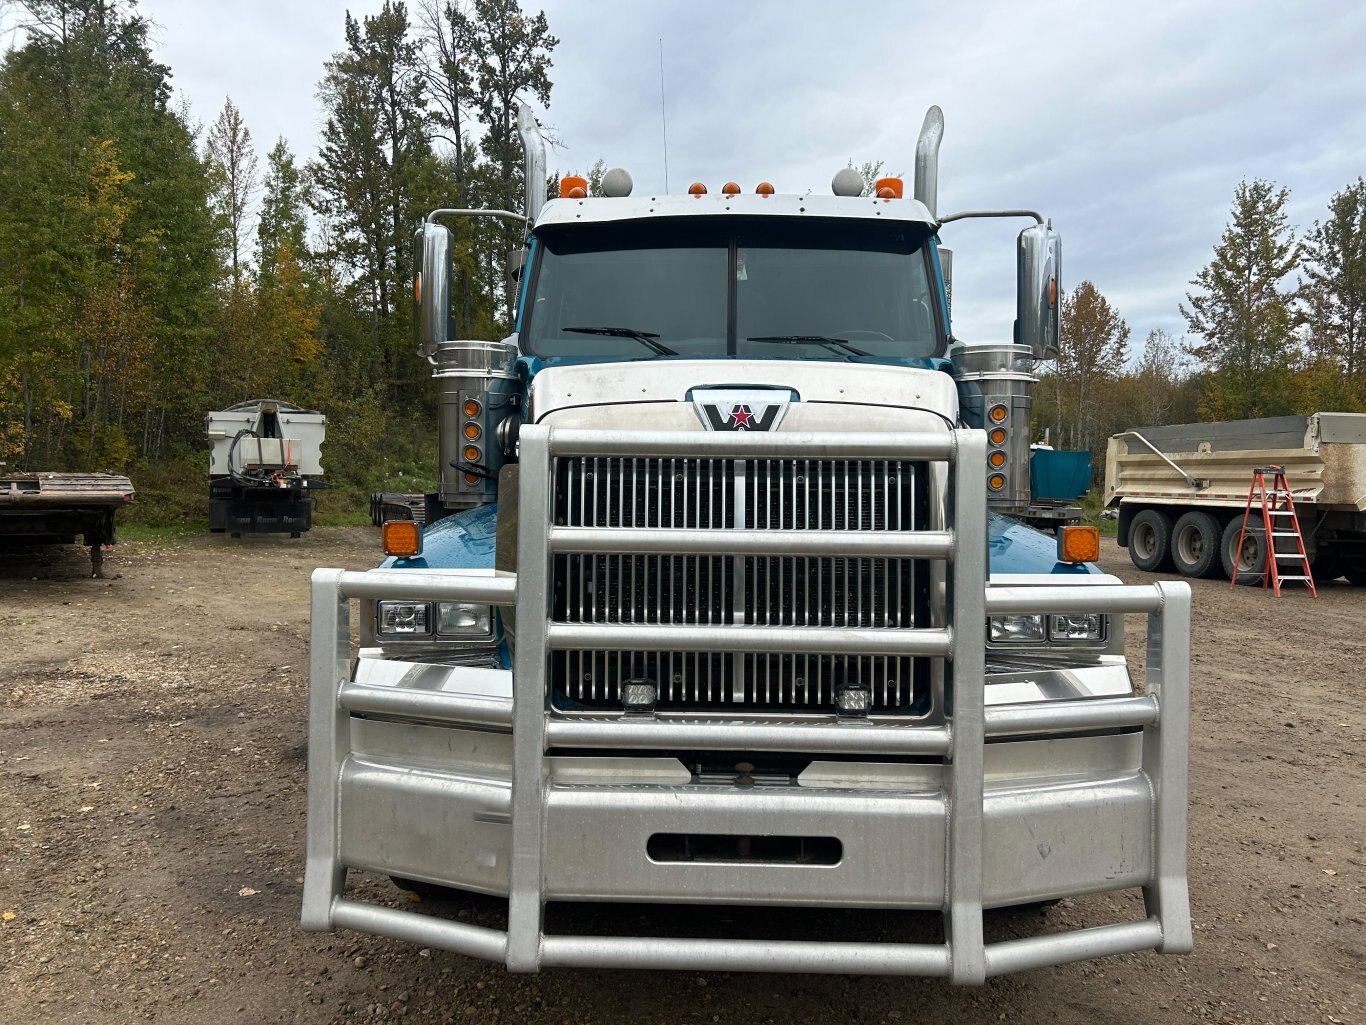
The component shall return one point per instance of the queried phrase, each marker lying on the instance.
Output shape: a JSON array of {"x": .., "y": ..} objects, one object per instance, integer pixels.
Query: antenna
[{"x": 663, "y": 120}]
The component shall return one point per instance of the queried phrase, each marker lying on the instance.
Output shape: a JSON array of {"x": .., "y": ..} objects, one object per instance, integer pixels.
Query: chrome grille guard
[{"x": 1162, "y": 713}]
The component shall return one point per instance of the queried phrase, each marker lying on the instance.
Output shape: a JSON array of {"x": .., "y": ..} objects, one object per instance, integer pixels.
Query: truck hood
[{"x": 671, "y": 387}]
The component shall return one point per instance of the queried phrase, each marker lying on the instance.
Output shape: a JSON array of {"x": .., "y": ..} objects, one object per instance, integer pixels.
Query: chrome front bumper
[{"x": 1003, "y": 805}]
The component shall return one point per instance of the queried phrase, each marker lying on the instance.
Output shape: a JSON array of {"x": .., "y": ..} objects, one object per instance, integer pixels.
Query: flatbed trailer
[
  {"x": 1181, "y": 491},
  {"x": 55, "y": 508}
]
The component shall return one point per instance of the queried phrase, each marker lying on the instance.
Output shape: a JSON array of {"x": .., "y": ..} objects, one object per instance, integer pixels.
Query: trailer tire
[
  {"x": 1150, "y": 541},
  {"x": 1195, "y": 545},
  {"x": 1247, "y": 566}
]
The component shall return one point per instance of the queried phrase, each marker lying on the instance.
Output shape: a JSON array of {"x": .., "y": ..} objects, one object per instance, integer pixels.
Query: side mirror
[
  {"x": 432, "y": 288},
  {"x": 515, "y": 262},
  {"x": 1038, "y": 271},
  {"x": 946, "y": 268}
]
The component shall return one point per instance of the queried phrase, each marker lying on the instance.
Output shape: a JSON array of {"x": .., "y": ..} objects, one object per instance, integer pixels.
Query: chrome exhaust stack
[
  {"x": 533, "y": 154},
  {"x": 927, "y": 159}
]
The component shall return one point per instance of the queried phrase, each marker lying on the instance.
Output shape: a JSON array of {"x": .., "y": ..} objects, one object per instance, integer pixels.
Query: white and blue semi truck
[{"x": 720, "y": 602}]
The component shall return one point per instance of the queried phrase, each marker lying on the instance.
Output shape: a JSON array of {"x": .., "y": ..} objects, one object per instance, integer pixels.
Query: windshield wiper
[
  {"x": 834, "y": 344},
  {"x": 646, "y": 338}
]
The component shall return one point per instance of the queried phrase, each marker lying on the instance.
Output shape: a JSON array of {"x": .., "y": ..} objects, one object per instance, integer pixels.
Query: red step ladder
[{"x": 1278, "y": 516}]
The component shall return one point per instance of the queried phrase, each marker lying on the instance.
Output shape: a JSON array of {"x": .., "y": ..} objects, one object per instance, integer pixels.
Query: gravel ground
[{"x": 152, "y": 762}]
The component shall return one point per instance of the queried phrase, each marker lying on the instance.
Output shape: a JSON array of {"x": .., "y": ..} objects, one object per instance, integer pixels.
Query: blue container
[{"x": 1059, "y": 476}]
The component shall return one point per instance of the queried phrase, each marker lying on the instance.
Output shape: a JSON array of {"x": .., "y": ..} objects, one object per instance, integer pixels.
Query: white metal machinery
[
  {"x": 265, "y": 456},
  {"x": 684, "y": 703}
]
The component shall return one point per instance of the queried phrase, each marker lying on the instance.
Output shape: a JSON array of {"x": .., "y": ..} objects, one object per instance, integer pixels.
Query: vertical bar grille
[{"x": 721, "y": 589}]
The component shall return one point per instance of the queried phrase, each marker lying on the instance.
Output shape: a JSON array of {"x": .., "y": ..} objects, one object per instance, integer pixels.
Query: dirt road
[{"x": 152, "y": 761}]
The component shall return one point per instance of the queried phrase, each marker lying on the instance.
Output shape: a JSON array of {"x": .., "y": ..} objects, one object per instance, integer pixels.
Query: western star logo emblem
[{"x": 734, "y": 409}]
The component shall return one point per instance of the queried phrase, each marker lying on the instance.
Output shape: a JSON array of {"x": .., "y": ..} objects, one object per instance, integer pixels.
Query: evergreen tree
[
  {"x": 1244, "y": 321},
  {"x": 1333, "y": 297},
  {"x": 283, "y": 221},
  {"x": 509, "y": 54},
  {"x": 374, "y": 150},
  {"x": 233, "y": 177}
]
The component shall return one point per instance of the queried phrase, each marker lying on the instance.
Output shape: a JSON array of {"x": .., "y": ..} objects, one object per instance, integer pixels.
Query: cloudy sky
[{"x": 1129, "y": 124}]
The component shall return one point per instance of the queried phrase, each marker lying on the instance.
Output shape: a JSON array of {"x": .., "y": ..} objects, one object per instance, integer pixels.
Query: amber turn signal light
[
  {"x": 997, "y": 459},
  {"x": 997, "y": 436},
  {"x": 401, "y": 537},
  {"x": 998, "y": 413},
  {"x": 1078, "y": 544},
  {"x": 996, "y": 481},
  {"x": 472, "y": 407}
]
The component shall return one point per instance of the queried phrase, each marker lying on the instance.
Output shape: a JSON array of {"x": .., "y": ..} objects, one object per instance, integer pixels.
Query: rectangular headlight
[
  {"x": 403, "y": 619},
  {"x": 1017, "y": 629},
  {"x": 1089, "y": 626},
  {"x": 458, "y": 619}
]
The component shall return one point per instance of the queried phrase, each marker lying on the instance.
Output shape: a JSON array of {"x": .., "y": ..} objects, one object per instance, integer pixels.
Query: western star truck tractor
[{"x": 717, "y": 604}]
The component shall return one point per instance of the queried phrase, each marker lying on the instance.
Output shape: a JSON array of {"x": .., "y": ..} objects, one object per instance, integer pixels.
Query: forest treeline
[
  {"x": 152, "y": 269},
  {"x": 1277, "y": 323}
]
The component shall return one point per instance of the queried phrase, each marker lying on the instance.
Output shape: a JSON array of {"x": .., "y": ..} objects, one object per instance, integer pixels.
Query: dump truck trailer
[
  {"x": 1182, "y": 491},
  {"x": 56, "y": 508}
]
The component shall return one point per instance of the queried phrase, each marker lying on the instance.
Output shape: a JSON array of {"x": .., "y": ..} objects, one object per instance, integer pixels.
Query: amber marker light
[
  {"x": 472, "y": 454},
  {"x": 402, "y": 538},
  {"x": 997, "y": 459},
  {"x": 697, "y": 189},
  {"x": 472, "y": 430},
  {"x": 471, "y": 478},
  {"x": 573, "y": 187},
  {"x": 997, "y": 436},
  {"x": 996, "y": 481},
  {"x": 764, "y": 189},
  {"x": 730, "y": 189},
  {"x": 998, "y": 413},
  {"x": 417, "y": 287},
  {"x": 1078, "y": 544},
  {"x": 888, "y": 188},
  {"x": 472, "y": 407}
]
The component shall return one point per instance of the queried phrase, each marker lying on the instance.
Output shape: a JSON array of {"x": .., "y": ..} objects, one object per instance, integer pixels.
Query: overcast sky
[{"x": 1129, "y": 124}]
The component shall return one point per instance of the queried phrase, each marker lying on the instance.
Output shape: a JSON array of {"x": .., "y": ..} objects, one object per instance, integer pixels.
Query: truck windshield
[{"x": 819, "y": 289}]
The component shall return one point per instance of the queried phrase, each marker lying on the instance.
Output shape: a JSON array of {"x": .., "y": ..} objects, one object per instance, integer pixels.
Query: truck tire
[
  {"x": 1249, "y": 565},
  {"x": 1195, "y": 545},
  {"x": 1150, "y": 541}
]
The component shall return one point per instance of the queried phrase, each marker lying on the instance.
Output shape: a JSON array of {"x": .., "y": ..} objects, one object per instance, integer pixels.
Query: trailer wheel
[
  {"x": 1195, "y": 545},
  {"x": 1150, "y": 541},
  {"x": 1248, "y": 565}
]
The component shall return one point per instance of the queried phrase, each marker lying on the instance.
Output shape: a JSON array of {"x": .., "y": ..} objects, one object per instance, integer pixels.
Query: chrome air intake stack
[
  {"x": 478, "y": 390},
  {"x": 995, "y": 391}
]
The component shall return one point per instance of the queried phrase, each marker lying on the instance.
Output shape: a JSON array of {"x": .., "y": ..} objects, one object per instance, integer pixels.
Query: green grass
[
  {"x": 1091, "y": 507},
  {"x": 162, "y": 532}
]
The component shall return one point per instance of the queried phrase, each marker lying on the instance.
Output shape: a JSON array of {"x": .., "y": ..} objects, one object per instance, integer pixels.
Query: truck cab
[{"x": 718, "y": 604}]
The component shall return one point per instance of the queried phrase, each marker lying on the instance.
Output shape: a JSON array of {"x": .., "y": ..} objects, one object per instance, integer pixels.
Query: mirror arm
[
  {"x": 964, "y": 215},
  {"x": 506, "y": 215}
]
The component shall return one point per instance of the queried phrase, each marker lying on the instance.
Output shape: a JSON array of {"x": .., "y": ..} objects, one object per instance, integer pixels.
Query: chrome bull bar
[{"x": 964, "y": 957}]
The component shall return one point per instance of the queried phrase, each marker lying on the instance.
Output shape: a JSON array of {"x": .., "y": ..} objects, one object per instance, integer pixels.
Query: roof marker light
[
  {"x": 730, "y": 189},
  {"x": 697, "y": 189},
  {"x": 764, "y": 189},
  {"x": 572, "y": 186},
  {"x": 888, "y": 188}
]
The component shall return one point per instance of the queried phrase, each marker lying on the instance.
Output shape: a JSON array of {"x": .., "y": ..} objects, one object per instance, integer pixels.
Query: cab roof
[{"x": 603, "y": 209}]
